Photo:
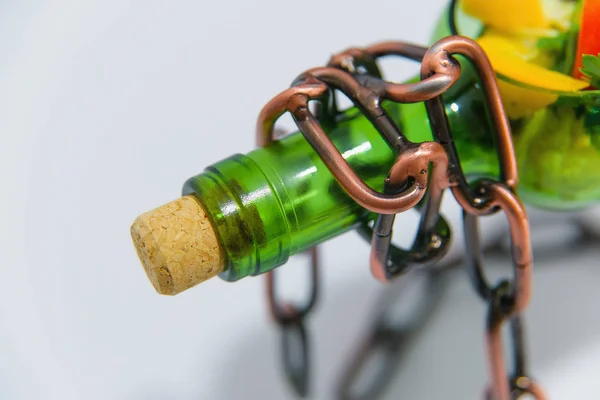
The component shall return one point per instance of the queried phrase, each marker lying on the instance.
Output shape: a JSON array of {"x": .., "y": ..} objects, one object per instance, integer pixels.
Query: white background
[{"x": 106, "y": 107}]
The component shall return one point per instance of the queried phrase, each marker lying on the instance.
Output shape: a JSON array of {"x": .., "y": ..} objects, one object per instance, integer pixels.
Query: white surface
[{"x": 106, "y": 108}]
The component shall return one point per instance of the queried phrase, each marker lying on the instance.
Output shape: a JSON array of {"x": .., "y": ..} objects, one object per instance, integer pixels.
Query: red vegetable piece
[{"x": 589, "y": 34}]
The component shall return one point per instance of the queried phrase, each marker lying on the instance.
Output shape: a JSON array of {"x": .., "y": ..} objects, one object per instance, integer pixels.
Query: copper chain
[{"x": 418, "y": 178}]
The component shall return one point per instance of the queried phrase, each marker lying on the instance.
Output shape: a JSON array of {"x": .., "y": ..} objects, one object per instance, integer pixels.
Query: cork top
[{"x": 177, "y": 245}]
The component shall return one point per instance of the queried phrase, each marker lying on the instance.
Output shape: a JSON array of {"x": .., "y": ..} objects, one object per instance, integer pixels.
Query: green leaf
[
  {"x": 591, "y": 68},
  {"x": 555, "y": 43},
  {"x": 591, "y": 65}
]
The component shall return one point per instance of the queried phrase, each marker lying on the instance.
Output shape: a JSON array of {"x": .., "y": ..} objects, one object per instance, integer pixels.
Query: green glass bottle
[
  {"x": 280, "y": 200},
  {"x": 557, "y": 146}
]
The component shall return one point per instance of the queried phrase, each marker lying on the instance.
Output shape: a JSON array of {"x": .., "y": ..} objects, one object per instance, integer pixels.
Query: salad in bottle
[{"x": 546, "y": 55}]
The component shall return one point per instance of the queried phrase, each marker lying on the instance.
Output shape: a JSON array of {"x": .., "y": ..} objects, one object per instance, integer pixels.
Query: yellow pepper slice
[
  {"x": 507, "y": 15},
  {"x": 506, "y": 57}
]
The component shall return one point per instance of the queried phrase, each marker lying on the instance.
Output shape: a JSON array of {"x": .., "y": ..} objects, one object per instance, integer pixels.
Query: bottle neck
[{"x": 280, "y": 200}]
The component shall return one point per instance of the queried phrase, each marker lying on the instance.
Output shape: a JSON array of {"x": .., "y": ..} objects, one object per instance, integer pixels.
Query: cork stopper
[{"x": 177, "y": 245}]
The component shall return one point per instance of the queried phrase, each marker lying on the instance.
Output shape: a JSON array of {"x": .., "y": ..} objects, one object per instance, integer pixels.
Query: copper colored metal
[
  {"x": 498, "y": 195},
  {"x": 351, "y": 183},
  {"x": 509, "y": 298},
  {"x": 378, "y": 50},
  {"x": 422, "y": 156},
  {"x": 311, "y": 89},
  {"x": 499, "y": 388},
  {"x": 441, "y": 52},
  {"x": 353, "y": 59},
  {"x": 503, "y": 387},
  {"x": 393, "y": 48},
  {"x": 367, "y": 99},
  {"x": 286, "y": 312},
  {"x": 445, "y": 74},
  {"x": 433, "y": 86},
  {"x": 390, "y": 335},
  {"x": 289, "y": 316},
  {"x": 420, "y": 169},
  {"x": 524, "y": 385},
  {"x": 265, "y": 134},
  {"x": 295, "y": 100},
  {"x": 430, "y": 243}
]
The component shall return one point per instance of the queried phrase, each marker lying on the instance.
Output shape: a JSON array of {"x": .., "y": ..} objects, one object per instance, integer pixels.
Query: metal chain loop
[
  {"x": 518, "y": 382},
  {"x": 501, "y": 197},
  {"x": 290, "y": 317},
  {"x": 441, "y": 53},
  {"x": 389, "y": 337},
  {"x": 295, "y": 100},
  {"x": 419, "y": 168},
  {"x": 286, "y": 312},
  {"x": 356, "y": 62},
  {"x": 291, "y": 320},
  {"x": 433, "y": 236},
  {"x": 295, "y": 352},
  {"x": 509, "y": 297},
  {"x": 411, "y": 165}
]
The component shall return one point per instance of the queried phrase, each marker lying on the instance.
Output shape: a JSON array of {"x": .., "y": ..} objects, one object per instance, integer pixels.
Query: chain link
[
  {"x": 433, "y": 235},
  {"x": 509, "y": 298},
  {"x": 418, "y": 178},
  {"x": 389, "y": 336},
  {"x": 295, "y": 352}
]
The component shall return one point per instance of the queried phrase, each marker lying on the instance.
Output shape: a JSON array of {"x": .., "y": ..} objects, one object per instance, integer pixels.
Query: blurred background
[{"x": 107, "y": 107}]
